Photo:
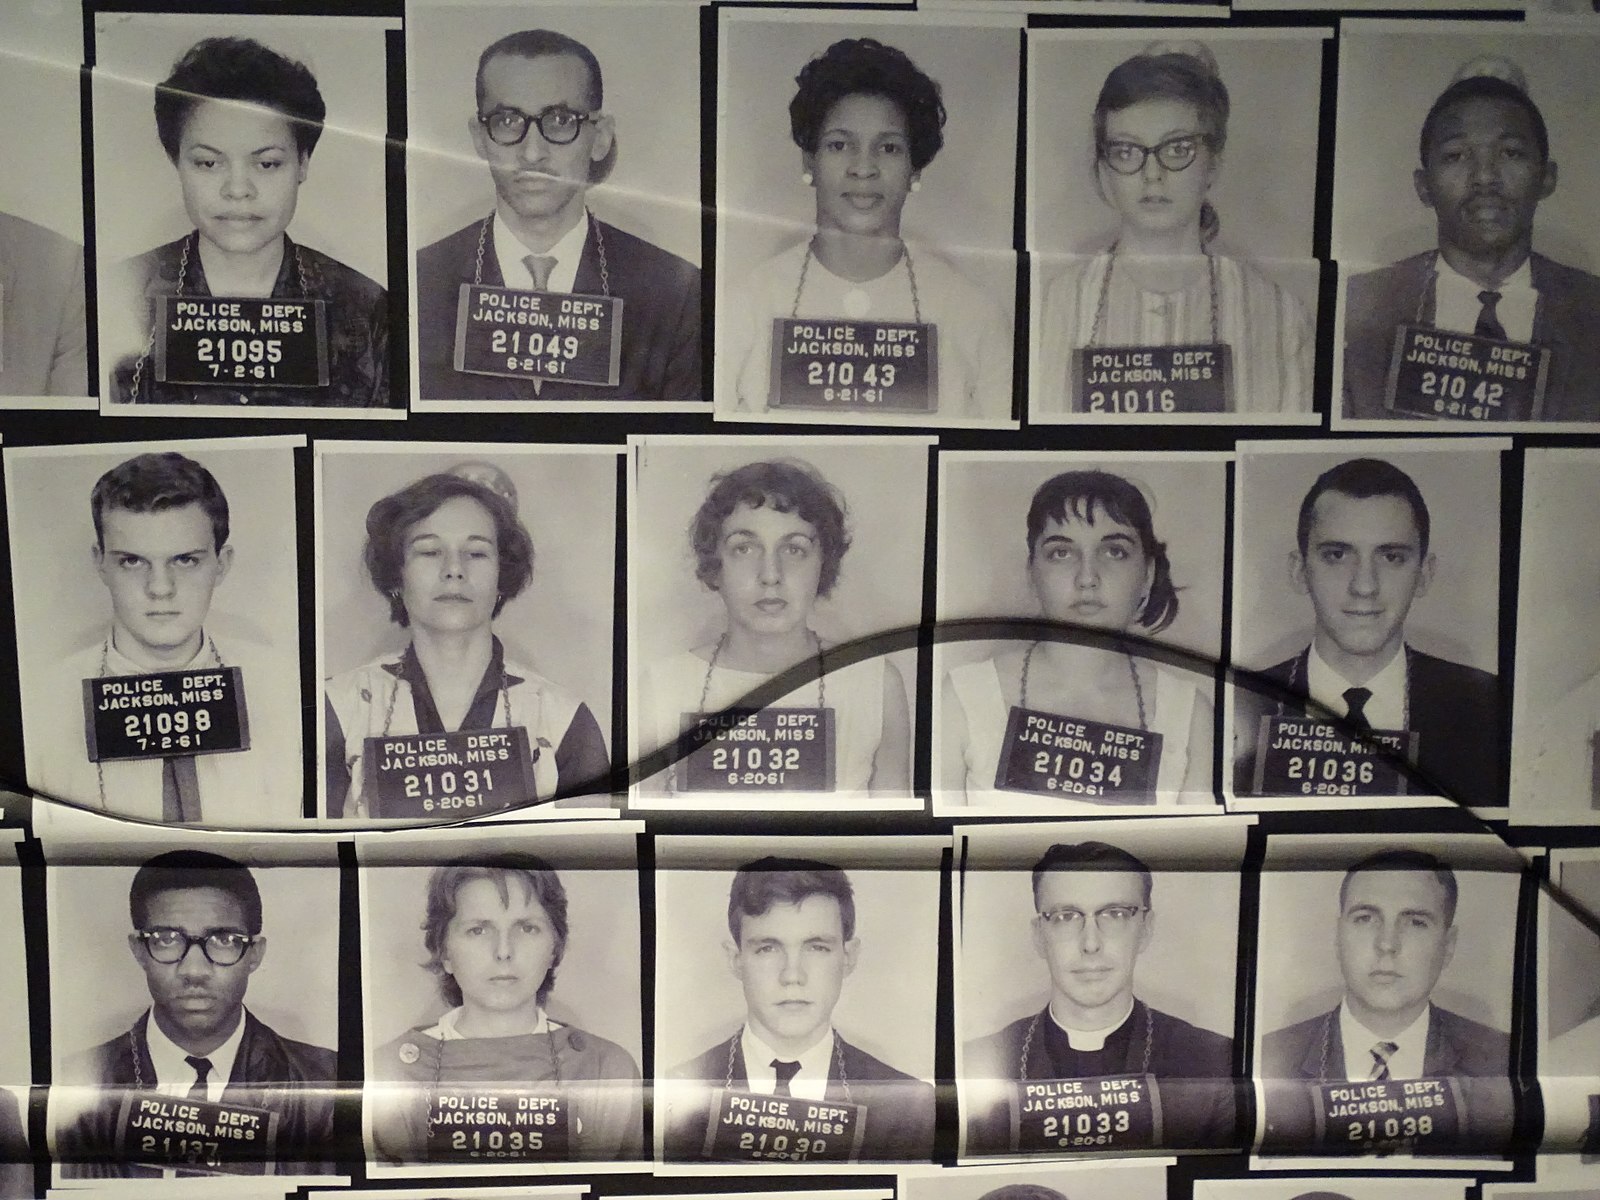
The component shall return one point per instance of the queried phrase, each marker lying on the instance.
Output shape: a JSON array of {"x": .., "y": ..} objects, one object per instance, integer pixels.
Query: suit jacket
[
  {"x": 44, "y": 350},
  {"x": 1313, "y": 1052},
  {"x": 899, "y": 1116},
  {"x": 295, "y": 1080},
  {"x": 1193, "y": 1068},
  {"x": 1567, "y": 320},
  {"x": 660, "y": 319},
  {"x": 1455, "y": 712}
]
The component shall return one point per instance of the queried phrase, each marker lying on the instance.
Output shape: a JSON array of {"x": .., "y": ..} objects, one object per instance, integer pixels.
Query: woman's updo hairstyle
[
  {"x": 1182, "y": 71},
  {"x": 865, "y": 66},
  {"x": 1090, "y": 495}
]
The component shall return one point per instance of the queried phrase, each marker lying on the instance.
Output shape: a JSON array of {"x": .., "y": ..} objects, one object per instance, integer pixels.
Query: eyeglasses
[
  {"x": 222, "y": 947},
  {"x": 1113, "y": 918},
  {"x": 558, "y": 124},
  {"x": 1175, "y": 153}
]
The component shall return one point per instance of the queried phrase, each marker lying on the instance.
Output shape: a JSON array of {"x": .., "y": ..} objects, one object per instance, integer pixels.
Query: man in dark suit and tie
[
  {"x": 1363, "y": 558},
  {"x": 541, "y": 128},
  {"x": 1396, "y": 935},
  {"x": 1485, "y": 166},
  {"x": 792, "y": 924}
]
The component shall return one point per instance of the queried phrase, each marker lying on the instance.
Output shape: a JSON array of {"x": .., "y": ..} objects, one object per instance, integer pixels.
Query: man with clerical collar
[
  {"x": 792, "y": 927},
  {"x": 197, "y": 937},
  {"x": 1396, "y": 935},
  {"x": 541, "y": 128},
  {"x": 1485, "y": 166},
  {"x": 1093, "y": 918},
  {"x": 161, "y": 549},
  {"x": 1363, "y": 558}
]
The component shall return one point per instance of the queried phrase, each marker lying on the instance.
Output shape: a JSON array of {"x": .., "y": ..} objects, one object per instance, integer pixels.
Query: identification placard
[
  {"x": 1110, "y": 1112},
  {"x": 539, "y": 335},
  {"x": 238, "y": 341},
  {"x": 196, "y": 1135},
  {"x": 1052, "y": 755},
  {"x": 759, "y": 750},
  {"x": 457, "y": 774},
  {"x": 167, "y": 713},
  {"x": 750, "y": 1127},
  {"x": 473, "y": 1125},
  {"x": 1459, "y": 376},
  {"x": 841, "y": 365},
  {"x": 1388, "y": 1115},
  {"x": 1302, "y": 756},
  {"x": 1132, "y": 381}
]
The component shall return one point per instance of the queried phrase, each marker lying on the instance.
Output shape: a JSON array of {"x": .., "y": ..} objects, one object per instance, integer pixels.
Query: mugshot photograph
[
  {"x": 43, "y": 340},
  {"x": 1171, "y": 188},
  {"x": 157, "y": 634},
  {"x": 795, "y": 1000},
  {"x": 503, "y": 1004},
  {"x": 161, "y": 1066},
  {"x": 865, "y": 233},
  {"x": 1471, "y": 296},
  {"x": 557, "y": 223},
  {"x": 1569, "y": 1003},
  {"x": 1367, "y": 580},
  {"x": 1411, "y": 1186},
  {"x": 1090, "y": 543},
  {"x": 16, "y": 1067},
  {"x": 1106, "y": 1179},
  {"x": 1555, "y": 770},
  {"x": 1384, "y": 994},
  {"x": 464, "y": 575},
  {"x": 757, "y": 557},
  {"x": 1095, "y": 1001},
  {"x": 266, "y": 123}
]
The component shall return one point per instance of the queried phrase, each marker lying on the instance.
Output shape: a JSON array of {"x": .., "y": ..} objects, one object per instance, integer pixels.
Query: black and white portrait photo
[
  {"x": 1105, "y": 1179},
  {"x": 1095, "y": 987},
  {"x": 1366, "y": 624},
  {"x": 795, "y": 1000},
  {"x": 1107, "y": 547},
  {"x": 502, "y": 1001},
  {"x": 16, "y": 1068},
  {"x": 1302, "y": 1187},
  {"x": 1384, "y": 994},
  {"x": 865, "y": 215},
  {"x": 1569, "y": 1003},
  {"x": 1462, "y": 180},
  {"x": 157, "y": 628},
  {"x": 251, "y": 273},
  {"x": 1170, "y": 189},
  {"x": 1556, "y": 723},
  {"x": 43, "y": 337},
  {"x": 554, "y": 166},
  {"x": 465, "y": 594},
  {"x": 162, "y": 1068},
  {"x": 756, "y": 558}
]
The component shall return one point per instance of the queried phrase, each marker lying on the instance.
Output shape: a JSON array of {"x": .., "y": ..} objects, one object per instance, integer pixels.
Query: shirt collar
[
  {"x": 118, "y": 663},
  {"x": 568, "y": 249},
  {"x": 1090, "y": 1039},
  {"x": 195, "y": 281},
  {"x": 1521, "y": 278},
  {"x": 1411, "y": 1044},
  {"x": 447, "y": 1030},
  {"x": 175, "y": 1076},
  {"x": 1384, "y": 710},
  {"x": 480, "y": 713},
  {"x": 810, "y": 1081}
]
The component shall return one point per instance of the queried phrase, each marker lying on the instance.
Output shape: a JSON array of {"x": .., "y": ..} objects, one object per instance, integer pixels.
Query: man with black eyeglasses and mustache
[{"x": 198, "y": 1085}]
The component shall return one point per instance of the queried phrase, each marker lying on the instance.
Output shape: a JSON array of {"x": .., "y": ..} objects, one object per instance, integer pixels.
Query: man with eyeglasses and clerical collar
[
  {"x": 787, "y": 1087},
  {"x": 540, "y": 300},
  {"x": 198, "y": 1085},
  {"x": 1097, "y": 1068},
  {"x": 1518, "y": 333},
  {"x": 1388, "y": 1069}
]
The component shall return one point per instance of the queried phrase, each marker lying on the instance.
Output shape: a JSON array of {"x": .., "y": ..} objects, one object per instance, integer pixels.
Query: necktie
[
  {"x": 1380, "y": 1060},
  {"x": 202, "y": 1071},
  {"x": 540, "y": 266},
  {"x": 786, "y": 1071},
  {"x": 1488, "y": 325},
  {"x": 1356, "y": 699},
  {"x": 180, "y": 790}
]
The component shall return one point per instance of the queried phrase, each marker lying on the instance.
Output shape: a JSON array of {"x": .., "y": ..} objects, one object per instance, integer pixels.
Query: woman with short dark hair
[
  {"x": 495, "y": 932},
  {"x": 448, "y": 552},
  {"x": 239, "y": 123},
  {"x": 1093, "y": 561}
]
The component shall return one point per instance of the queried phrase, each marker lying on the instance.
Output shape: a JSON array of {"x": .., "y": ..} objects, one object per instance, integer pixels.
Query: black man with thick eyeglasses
[
  {"x": 540, "y": 299},
  {"x": 198, "y": 1085},
  {"x": 1097, "y": 1068}
]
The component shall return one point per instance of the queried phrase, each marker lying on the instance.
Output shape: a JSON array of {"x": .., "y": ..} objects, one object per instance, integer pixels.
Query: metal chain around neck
[
  {"x": 716, "y": 653},
  {"x": 1133, "y": 671},
  {"x": 599, "y": 245},
  {"x": 911, "y": 276},
  {"x": 1102, "y": 303}
]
